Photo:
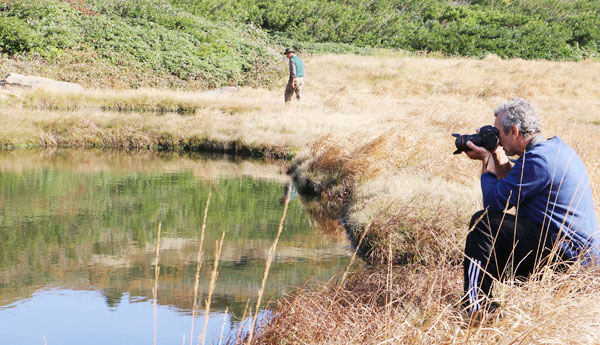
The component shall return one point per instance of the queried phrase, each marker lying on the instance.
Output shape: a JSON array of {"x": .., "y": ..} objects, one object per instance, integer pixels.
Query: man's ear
[{"x": 514, "y": 131}]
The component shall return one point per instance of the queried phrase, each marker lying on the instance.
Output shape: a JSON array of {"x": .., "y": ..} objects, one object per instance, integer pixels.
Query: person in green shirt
[{"x": 296, "y": 81}]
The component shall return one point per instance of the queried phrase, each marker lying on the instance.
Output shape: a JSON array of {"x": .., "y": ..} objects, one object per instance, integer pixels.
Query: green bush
[
  {"x": 221, "y": 42},
  {"x": 55, "y": 22},
  {"x": 181, "y": 44},
  {"x": 531, "y": 29},
  {"x": 16, "y": 36}
]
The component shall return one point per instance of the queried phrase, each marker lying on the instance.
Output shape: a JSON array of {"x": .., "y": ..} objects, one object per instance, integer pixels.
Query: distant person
[
  {"x": 554, "y": 222},
  {"x": 296, "y": 80}
]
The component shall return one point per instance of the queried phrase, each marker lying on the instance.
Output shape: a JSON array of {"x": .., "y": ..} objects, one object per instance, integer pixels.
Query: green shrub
[
  {"x": 221, "y": 42},
  {"x": 16, "y": 36},
  {"x": 54, "y": 21},
  {"x": 531, "y": 29}
]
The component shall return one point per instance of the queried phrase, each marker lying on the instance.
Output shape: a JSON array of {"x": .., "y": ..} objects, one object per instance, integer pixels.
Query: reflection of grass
[
  {"x": 211, "y": 286},
  {"x": 198, "y": 266},
  {"x": 268, "y": 263},
  {"x": 156, "y": 274}
]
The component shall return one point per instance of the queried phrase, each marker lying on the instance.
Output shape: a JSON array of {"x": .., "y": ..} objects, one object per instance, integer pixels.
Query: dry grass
[
  {"x": 373, "y": 136},
  {"x": 417, "y": 309}
]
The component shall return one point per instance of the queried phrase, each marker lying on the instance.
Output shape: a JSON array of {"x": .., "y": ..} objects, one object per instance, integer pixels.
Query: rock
[
  {"x": 14, "y": 80},
  {"x": 227, "y": 89}
]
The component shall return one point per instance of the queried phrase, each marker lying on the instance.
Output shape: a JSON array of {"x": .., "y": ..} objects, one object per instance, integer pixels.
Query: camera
[{"x": 486, "y": 138}]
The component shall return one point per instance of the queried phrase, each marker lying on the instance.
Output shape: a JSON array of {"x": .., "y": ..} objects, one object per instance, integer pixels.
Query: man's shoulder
[{"x": 550, "y": 147}]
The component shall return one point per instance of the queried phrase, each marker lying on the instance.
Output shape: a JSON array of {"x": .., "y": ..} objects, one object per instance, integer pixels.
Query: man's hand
[
  {"x": 495, "y": 162},
  {"x": 293, "y": 83},
  {"x": 477, "y": 152}
]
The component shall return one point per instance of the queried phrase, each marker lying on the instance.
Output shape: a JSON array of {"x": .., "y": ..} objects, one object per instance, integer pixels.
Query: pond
[{"x": 78, "y": 240}]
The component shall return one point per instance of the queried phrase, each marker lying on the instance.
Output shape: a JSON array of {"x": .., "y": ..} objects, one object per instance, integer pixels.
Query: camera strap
[{"x": 536, "y": 140}]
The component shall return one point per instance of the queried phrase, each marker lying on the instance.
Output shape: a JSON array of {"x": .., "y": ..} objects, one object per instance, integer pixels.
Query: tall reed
[
  {"x": 198, "y": 266},
  {"x": 213, "y": 281},
  {"x": 239, "y": 332},
  {"x": 156, "y": 273}
]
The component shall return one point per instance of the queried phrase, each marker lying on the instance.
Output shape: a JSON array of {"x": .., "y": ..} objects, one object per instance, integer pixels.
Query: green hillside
[{"x": 211, "y": 43}]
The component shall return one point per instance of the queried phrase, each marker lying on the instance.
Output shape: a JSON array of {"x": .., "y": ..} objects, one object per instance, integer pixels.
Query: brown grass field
[{"x": 373, "y": 138}]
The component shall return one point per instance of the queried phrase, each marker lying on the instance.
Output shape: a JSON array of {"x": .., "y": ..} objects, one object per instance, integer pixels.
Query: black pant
[{"x": 499, "y": 247}]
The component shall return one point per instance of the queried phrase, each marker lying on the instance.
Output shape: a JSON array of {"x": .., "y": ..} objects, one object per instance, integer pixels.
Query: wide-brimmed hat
[{"x": 289, "y": 50}]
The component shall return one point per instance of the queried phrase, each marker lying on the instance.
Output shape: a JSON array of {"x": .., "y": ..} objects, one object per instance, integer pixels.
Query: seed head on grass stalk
[{"x": 223, "y": 326}]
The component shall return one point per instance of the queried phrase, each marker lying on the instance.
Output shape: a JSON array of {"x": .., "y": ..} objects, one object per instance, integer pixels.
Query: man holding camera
[{"x": 554, "y": 221}]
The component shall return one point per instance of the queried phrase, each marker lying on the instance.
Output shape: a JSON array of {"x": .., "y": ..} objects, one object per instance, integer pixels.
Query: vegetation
[
  {"x": 201, "y": 44},
  {"x": 399, "y": 187},
  {"x": 137, "y": 37},
  {"x": 530, "y": 29}
]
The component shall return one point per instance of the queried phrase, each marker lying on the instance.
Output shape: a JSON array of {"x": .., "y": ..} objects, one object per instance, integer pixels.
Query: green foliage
[
  {"x": 531, "y": 29},
  {"x": 142, "y": 35},
  {"x": 224, "y": 42},
  {"x": 54, "y": 22},
  {"x": 16, "y": 36},
  {"x": 155, "y": 34}
]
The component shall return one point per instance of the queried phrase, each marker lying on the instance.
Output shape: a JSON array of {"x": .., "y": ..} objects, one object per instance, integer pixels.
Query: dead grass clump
[
  {"x": 425, "y": 217},
  {"x": 418, "y": 234},
  {"x": 337, "y": 163},
  {"x": 365, "y": 311}
]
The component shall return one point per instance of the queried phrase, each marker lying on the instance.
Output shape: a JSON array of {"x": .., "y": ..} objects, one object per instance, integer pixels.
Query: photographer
[{"x": 554, "y": 220}]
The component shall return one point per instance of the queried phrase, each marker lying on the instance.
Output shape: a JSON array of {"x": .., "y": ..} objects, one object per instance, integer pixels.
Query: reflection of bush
[{"x": 112, "y": 297}]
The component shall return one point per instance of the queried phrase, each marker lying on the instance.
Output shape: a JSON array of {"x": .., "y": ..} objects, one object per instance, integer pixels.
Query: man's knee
[
  {"x": 479, "y": 238},
  {"x": 477, "y": 217}
]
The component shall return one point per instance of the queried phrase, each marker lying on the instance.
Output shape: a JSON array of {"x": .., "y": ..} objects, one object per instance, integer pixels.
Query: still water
[{"x": 78, "y": 236}]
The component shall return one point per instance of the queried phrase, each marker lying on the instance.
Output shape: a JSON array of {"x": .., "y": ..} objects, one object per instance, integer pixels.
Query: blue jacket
[{"x": 554, "y": 191}]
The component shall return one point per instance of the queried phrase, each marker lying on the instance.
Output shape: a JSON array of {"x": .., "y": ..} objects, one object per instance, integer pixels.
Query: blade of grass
[{"x": 242, "y": 322}]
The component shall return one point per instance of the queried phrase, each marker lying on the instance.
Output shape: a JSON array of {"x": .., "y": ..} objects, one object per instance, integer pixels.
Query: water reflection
[{"x": 80, "y": 227}]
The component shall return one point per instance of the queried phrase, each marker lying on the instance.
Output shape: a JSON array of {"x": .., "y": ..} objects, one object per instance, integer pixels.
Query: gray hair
[{"x": 518, "y": 112}]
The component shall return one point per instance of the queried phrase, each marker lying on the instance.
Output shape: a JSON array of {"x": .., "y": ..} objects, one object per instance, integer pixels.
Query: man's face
[
  {"x": 506, "y": 139},
  {"x": 289, "y": 55}
]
